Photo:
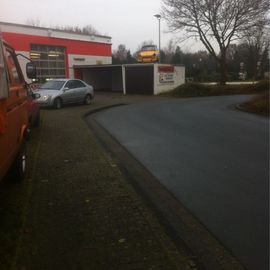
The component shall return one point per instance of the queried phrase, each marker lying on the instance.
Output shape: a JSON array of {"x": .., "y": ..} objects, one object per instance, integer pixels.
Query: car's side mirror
[
  {"x": 65, "y": 89},
  {"x": 31, "y": 70}
]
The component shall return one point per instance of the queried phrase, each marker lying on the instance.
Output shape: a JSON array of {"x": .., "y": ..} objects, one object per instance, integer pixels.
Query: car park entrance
[
  {"x": 139, "y": 80},
  {"x": 102, "y": 78}
]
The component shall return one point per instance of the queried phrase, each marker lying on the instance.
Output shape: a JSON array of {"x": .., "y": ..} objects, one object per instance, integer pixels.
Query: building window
[{"x": 49, "y": 60}]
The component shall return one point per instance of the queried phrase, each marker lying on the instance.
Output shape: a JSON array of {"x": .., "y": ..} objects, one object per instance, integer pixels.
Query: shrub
[
  {"x": 200, "y": 89},
  {"x": 262, "y": 85},
  {"x": 258, "y": 104}
]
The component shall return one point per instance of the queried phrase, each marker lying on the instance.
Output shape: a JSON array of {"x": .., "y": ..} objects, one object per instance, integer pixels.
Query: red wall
[{"x": 21, "y": 42}]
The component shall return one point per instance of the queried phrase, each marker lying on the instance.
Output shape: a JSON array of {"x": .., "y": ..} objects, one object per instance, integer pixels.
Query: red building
[{"x": 56, "y": 52}]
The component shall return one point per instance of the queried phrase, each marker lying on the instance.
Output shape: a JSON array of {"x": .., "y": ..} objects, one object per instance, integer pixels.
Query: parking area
[{"x": 77, "y": 209}]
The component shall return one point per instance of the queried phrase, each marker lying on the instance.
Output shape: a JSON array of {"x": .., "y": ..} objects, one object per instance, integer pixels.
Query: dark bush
[
  {"x": 200, "y": 89},
  {"x": 258, "y": 104},
  {"x": 262, "y": 85}
]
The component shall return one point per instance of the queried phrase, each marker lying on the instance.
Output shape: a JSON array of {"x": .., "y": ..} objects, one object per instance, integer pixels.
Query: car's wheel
[
  {"x": 18, "y": 169},
  {"x": 87, "y": 99},
  {"x": 57, "y": 103}
]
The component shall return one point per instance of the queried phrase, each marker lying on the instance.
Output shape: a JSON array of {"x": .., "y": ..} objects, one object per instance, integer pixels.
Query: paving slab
[{"x": 81, "y": 213}]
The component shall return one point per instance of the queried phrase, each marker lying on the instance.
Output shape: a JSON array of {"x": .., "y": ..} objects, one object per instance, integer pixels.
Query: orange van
[{"x": 13, "y": 113}]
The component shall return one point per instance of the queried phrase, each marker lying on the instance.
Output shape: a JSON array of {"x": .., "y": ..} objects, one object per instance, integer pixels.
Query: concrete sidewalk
[{"x": 81, "y": 212}]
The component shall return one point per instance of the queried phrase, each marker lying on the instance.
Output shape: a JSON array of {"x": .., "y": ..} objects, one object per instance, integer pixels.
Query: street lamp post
[{"x": 158, "y": 16}]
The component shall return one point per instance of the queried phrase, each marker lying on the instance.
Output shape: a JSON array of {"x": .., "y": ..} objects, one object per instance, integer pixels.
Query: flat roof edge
[
  {"x": 50, "y": 28},
  {"x": 125, "y": 65}
]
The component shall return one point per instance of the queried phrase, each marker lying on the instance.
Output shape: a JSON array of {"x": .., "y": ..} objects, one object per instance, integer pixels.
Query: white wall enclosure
[{"x": 149, "y": 79}]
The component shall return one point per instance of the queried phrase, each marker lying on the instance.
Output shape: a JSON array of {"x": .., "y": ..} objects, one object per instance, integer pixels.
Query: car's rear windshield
[
  {"x": 52, "y": 85},
  {"x": 149, "y": 48}
]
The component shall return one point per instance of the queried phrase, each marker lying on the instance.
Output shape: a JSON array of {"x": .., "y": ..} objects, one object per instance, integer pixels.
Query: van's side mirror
[
  {"x": 31, "y": 70},
  {"x": 36, "y": 95}
]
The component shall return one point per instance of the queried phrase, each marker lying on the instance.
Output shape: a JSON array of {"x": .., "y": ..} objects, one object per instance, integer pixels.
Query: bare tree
[
  {"x": 87, "y": 30},
  {"x": 33, "y": 22},
  {"x": 215, "y": 22},
  {"x": 121, "y": 53},
  {"x": 258, "y": 41},
  {"x": 90, "y": 30},
  {"x": 169, "y": 51}
]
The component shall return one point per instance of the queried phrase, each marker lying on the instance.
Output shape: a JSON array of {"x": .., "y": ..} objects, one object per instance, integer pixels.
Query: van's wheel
[
  {"x": 57, "y": 103},
  {"x": 87, "y": 100},
  {"x": 18, "y": 169}
]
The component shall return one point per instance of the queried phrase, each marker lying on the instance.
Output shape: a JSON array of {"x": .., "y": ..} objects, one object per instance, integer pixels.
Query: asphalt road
[{"x": 213, "y": 158}]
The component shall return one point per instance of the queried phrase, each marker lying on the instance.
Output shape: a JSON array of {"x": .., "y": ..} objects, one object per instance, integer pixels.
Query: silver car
[{"x": 56, "y": 93}]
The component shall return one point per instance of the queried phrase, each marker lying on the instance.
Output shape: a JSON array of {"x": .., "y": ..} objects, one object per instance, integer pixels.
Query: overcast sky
[{"x": 128, "y": 22}]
